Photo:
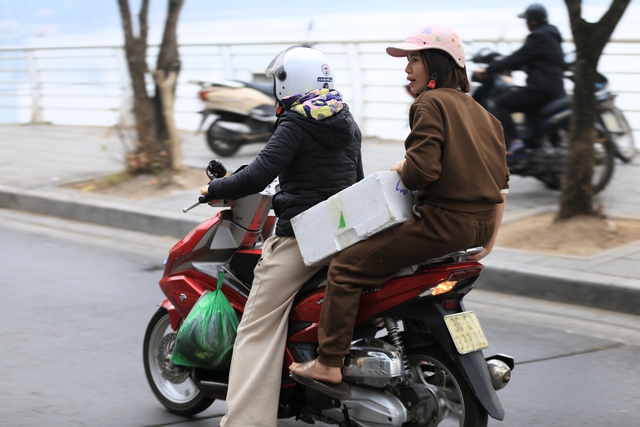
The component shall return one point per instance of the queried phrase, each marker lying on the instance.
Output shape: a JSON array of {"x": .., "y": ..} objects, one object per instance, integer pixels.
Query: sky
[{"x": 72, "y": 22}]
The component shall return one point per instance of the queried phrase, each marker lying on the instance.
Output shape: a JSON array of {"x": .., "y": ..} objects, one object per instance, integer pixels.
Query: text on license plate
[{"x": 466, "y": 332}]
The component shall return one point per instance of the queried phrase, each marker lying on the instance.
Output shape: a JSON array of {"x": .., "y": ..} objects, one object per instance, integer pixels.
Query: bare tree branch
[
  {"x": 168, "y": 54},
  {"x": 610, "y": 19},
  {"x": 144, "y": 25},
  {"x": 125, "y": 13}
]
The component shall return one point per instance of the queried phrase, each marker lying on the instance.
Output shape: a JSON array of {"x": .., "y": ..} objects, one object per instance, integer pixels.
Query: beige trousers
[{"x": 258, "y": 353}]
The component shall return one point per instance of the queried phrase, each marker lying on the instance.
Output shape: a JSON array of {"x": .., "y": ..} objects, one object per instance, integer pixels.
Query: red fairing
[
  {"x": 393, "y": 293},
  {"x": 189, "y": 241},
  {"x": 191, "y": 286},
  {"x": 174, "y": 316}
]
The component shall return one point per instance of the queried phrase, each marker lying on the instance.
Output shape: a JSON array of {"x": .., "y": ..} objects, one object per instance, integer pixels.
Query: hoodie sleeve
[
  {"x": 423, "y": 147},
  {"x": 359, "y": 168},
  {"x": 535, "y": 45},
  {"x": 360, "y": 165},
  {"x": 272, "y": 160}
]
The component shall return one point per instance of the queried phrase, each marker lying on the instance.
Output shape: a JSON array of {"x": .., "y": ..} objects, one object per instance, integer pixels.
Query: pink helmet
[{"x": 431, "y": 37}]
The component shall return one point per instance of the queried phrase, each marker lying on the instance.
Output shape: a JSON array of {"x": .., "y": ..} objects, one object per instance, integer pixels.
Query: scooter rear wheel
[
  {"x": 171, "y": 384},
  {"x": 457, "y": 405}
]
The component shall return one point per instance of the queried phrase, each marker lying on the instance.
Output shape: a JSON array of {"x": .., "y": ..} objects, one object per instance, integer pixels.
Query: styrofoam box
[{"x": 374, "y": 204}]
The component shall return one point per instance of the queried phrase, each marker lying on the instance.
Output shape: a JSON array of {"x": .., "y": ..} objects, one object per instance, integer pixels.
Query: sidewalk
[{"x": 36, "y": 160}]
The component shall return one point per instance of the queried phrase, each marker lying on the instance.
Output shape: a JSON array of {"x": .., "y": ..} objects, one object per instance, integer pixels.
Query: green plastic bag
[{"x": 206, "y": 337}]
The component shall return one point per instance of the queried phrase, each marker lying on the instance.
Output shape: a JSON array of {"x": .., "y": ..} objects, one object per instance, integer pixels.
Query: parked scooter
[
  {"x": 546, "y": 132},
  {"x": 430, "y": 373},
  {"x": 241, "y": 113}
]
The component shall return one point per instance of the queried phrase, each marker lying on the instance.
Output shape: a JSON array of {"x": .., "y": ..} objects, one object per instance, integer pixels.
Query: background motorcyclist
[
  {"x": 315, "y": 152},
  {"x": 542, "y": 59}
]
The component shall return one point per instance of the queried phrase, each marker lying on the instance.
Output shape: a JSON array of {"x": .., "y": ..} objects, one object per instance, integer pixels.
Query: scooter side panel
[
  {"x": 394, "y": 292},
  {"x": 183, "y": 291},
  {"x": 174, "y": 316},
  {"x": 189, "y": 242}
]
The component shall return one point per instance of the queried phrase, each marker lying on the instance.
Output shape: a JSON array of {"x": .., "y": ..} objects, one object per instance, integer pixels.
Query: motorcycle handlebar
[{"x": 215, "y": 169}]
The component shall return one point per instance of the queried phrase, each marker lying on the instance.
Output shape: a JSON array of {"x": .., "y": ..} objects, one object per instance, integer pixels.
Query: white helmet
[{"x": 299, "y": 69}]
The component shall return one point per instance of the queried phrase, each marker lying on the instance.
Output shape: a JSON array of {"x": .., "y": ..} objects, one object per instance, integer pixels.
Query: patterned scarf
[{"x": 317, "y": 104}]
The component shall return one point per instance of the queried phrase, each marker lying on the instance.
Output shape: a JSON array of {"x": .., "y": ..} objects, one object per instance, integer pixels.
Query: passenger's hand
[
  {"x": 480, "y": 73},
  {"x": 477, "y": 257},
  {"x": 398, "y": 166}
]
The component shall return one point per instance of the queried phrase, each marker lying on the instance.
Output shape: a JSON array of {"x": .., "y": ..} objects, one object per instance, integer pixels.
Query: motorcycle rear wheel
[
  {"x": 457, "y": 404},
  {"x": 171, "y": 384}
]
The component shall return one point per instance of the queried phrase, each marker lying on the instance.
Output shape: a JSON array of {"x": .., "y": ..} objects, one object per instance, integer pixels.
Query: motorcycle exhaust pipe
[{"x": 499, "y": 372}]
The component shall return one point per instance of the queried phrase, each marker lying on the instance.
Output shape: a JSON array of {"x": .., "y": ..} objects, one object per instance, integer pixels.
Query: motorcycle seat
[
  {"x": 554, "y": 106},
  {"x": 320, "y": 278},
  {"x": 456, "y": 256},
  {"x": 266, "y": 88}
]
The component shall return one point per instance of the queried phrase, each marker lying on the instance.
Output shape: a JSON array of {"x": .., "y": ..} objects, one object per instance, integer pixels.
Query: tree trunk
[
  {"x": 590, "y": 40},
  {"x": 154, "y": 149},
  {"x": 577, "y": 192},
  {"x": 166, "y": 78},
  {"x": 167, "y": 87}
]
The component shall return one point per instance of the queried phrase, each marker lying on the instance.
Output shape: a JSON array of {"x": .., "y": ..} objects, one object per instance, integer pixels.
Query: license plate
[
  {"x": 611, "y": 122},
  {"x": 466, "y": 332}
]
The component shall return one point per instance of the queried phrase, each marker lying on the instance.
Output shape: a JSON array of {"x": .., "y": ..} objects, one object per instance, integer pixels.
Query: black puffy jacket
[
  {"x": 541, "y": 58},
  {"x": 314, "y": 159}
]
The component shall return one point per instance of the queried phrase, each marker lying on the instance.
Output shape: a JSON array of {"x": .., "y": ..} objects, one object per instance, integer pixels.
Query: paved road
[{"x": 77, "y": 299}]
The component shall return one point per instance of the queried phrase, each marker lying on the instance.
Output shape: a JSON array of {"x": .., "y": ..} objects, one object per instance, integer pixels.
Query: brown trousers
[{"x": 374, "y": 261}]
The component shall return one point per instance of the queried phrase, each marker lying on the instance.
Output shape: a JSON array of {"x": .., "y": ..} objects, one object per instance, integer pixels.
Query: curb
[
  {"x": 98, "y": 210},
  {"x": 596, "y": 292},
  {"x": 578, "y": 291}
]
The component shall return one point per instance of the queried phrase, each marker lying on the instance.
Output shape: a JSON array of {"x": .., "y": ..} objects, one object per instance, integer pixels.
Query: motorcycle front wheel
[
  {"x": 171, "y": 384},
  {"x": 621, "y": 133},
  {"x": 222, "y": 141},
  {"x": 456, "y": 403}
]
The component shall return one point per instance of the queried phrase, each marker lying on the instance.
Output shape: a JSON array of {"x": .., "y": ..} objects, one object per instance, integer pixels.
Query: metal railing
[{"x": 89, "y": 85}]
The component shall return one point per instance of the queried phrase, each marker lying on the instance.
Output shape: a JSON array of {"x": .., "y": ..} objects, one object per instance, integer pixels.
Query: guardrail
[{"x": 89, "y": 85}]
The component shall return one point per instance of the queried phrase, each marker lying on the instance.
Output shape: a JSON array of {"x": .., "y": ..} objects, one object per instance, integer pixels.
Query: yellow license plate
[{"x": 466, "y": 332}]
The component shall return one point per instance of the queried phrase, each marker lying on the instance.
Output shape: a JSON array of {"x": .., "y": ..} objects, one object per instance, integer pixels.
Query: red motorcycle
[{"x": 416, "y": 358}]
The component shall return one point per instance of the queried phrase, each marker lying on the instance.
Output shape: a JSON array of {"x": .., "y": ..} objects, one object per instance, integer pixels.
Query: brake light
[
  {"x": 203, "y": 94},
  {"x": 451, "y": 281}
]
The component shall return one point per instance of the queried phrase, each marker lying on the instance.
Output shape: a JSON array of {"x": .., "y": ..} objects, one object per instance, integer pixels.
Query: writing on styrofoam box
[{"x": 374, "y": 204}]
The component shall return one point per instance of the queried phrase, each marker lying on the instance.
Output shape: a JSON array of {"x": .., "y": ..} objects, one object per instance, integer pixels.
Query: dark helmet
[{"x": 535, "y": 12}]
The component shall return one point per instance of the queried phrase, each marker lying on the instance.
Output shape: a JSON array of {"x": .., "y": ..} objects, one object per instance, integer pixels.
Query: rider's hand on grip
[{"x": 215, "y": 169}]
